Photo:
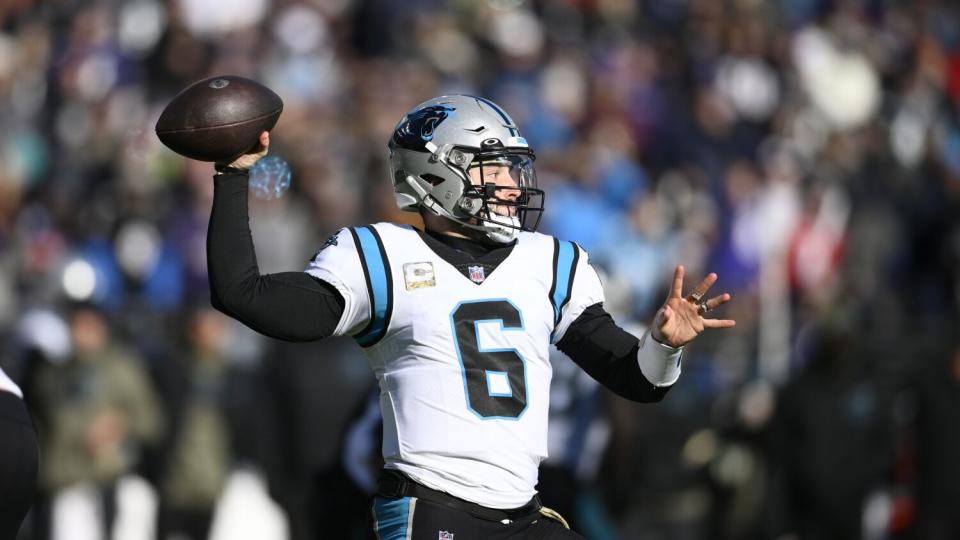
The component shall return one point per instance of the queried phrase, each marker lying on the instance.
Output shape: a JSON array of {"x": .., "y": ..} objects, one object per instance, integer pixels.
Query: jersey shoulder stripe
[
  {"x": 376, "y": 272},
  {"x": 565, "y": 257}
]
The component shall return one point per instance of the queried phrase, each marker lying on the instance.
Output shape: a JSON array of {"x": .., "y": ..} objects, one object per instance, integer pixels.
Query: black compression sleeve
[
  {"x": 608, "y": 353},
  {"x": 292, "y": 306}
]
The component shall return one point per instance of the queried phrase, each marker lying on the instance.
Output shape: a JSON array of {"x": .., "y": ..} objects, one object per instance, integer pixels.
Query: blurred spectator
[
  {"x": 97, "y": 410},
  {"x": 196, "y": 453},
  {"x": 937, "y": 394},
  {"x": 833, "y": 438},
  {"x": 346, "y": 487}
]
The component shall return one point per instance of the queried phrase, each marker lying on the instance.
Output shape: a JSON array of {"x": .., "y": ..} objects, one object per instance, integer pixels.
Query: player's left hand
[{"x": 681, "y": 318}]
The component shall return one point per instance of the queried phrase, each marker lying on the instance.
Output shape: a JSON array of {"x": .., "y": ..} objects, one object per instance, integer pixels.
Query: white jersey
[{"x": 463, "y": 363}]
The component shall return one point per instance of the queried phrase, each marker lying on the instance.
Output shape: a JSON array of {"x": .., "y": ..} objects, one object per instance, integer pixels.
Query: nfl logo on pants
[{"x": 444, "y": 535}]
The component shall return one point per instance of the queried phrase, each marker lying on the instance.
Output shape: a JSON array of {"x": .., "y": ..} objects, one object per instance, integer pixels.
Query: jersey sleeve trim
[
  {"x": 565, "y": 257},
  {"x": 376, "y": 272}
]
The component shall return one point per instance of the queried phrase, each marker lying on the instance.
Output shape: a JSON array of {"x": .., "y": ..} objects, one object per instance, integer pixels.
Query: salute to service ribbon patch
[{"x": 419, "y": 274}]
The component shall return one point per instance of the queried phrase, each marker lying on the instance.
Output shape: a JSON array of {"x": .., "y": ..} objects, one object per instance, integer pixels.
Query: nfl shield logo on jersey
[
  {"x": 477, "y": 275},
  {"x": 444, "y": 535}
]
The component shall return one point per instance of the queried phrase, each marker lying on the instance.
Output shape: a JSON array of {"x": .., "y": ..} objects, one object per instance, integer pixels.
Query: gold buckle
[{"x": 554, "y": 515}]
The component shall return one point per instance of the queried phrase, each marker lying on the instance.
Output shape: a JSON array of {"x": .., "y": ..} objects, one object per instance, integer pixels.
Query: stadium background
[{"x": 806, "y": 150}]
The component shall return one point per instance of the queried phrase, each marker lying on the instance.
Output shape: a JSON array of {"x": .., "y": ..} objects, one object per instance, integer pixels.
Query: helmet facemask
[{"x": 501, "y": 195}]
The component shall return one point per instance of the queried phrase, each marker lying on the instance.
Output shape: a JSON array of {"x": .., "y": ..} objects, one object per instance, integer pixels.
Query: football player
[
  {"x": 18, "y": 458},
  {"x": 456, "y": 320}
]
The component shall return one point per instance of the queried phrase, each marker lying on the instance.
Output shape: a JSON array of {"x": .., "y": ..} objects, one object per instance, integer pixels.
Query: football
[{"x": 218, "y": 119}]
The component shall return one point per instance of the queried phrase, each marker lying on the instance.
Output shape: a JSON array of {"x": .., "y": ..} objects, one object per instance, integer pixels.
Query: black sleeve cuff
[
  {"x": 608, "y": 353},
  {"x": 226, "y": 169}
]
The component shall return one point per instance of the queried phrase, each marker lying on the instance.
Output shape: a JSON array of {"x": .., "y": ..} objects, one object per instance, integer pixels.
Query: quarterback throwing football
[{"x": 456, "y": 321}]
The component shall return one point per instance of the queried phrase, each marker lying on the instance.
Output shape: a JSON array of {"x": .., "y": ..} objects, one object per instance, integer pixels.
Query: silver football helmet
[{"x": 462, "y": 157}]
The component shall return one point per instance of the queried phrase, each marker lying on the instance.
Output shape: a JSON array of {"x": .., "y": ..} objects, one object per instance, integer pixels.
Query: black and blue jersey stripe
[
  {"x": 565, "y": 257},
  {"x": 376, "y": 271}
]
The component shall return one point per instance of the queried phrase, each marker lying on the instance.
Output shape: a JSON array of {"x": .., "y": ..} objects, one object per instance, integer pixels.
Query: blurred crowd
[{"x": 808, "y": 151}]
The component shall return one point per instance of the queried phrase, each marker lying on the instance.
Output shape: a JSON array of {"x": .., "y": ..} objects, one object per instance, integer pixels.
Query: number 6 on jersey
[{"x": 494, "y": 379}]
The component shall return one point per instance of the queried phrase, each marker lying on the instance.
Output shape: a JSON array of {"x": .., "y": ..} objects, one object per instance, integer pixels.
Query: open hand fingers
[
  {"x": 701, "y": 289},
  {"x": 719, "y": 323},
  {"x": 676, "y": 290},
  {"x": 713, "y": 303}
]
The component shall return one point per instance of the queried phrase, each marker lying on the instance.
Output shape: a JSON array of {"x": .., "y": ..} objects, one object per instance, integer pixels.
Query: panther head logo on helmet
[{"x": 418, "y": 126}]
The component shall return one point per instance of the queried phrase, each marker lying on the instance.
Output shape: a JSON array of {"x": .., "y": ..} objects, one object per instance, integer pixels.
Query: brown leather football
[{"x": 218, "y": 119}]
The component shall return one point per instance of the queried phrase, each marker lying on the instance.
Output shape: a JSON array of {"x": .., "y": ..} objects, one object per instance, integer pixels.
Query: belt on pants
[{"x": 393, "y": 484}]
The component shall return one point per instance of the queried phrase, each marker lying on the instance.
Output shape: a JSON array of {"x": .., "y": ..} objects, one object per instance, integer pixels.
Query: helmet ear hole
[{"x": 432, "y": 179}]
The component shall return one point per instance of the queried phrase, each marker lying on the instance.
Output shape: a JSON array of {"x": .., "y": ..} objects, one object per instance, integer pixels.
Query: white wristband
[{"x": 659, "y": 363}]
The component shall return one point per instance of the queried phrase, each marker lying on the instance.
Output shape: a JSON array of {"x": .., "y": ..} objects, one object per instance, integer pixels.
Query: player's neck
[
  {"x": 461, "y": 242},
  {"x": 457, "y": 237},
  {"x": 438, "y": 226}
]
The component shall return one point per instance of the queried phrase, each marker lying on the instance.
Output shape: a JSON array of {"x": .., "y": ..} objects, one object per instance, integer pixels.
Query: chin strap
[{"x": 505, "y": 230}]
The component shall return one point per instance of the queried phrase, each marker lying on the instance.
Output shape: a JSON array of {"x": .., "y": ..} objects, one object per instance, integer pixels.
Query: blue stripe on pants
[{"x": 392, "y": 517}]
